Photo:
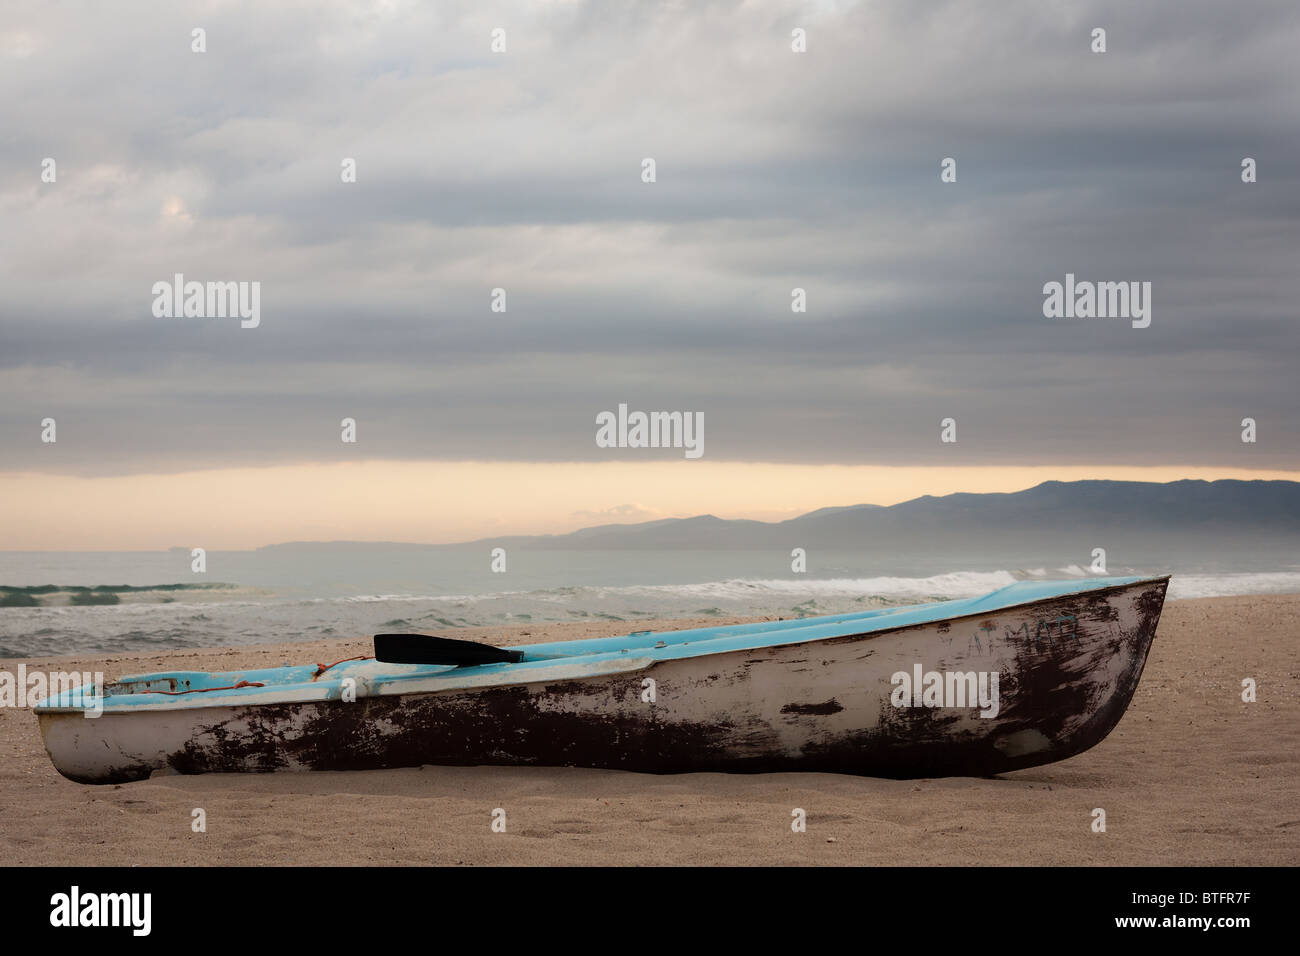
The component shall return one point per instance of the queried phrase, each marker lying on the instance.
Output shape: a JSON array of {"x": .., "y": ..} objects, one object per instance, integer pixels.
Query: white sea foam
[
  {"x": 659, "y": 598},
  {"x": 955, "y": 584},
  {"x": 1228, "y": 585}
]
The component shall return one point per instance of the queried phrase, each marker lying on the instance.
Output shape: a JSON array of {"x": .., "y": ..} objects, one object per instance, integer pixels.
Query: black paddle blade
[{"x": 428, "y": 649}]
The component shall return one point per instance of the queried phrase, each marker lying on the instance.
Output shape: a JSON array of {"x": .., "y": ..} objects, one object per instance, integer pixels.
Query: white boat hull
[{"x": 1066, "y": 669}]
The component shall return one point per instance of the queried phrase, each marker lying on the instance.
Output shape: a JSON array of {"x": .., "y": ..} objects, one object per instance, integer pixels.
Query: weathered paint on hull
[{"x": 1068, "y": 668}]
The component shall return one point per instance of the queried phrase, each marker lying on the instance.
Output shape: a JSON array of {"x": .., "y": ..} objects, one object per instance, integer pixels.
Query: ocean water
[{"x": 108, "y": 602}]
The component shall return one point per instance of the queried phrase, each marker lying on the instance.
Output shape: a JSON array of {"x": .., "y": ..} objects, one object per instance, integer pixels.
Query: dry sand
[{"x": 1192, "y": 775}]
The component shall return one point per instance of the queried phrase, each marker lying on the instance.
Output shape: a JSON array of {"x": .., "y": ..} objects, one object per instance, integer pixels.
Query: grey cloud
[{"x": 775, "y": 170}]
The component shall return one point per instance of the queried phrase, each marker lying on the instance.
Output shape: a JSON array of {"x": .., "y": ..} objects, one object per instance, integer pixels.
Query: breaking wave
[{"x": 68, "y": 595}]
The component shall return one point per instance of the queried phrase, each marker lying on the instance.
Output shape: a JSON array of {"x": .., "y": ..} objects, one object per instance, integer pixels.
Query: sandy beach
[{"x": 1192, "y": 775}]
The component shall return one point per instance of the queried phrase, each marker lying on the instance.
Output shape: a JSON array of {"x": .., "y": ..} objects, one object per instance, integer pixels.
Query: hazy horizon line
[{"x": 633, "y": 520}]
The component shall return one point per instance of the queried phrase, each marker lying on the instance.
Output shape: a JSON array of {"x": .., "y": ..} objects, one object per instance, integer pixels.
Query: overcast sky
[{"x": 775, "y": 170}]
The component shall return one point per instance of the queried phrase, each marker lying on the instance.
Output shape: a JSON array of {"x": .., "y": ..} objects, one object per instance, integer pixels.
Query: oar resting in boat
[{"x": 428, "y": 649}]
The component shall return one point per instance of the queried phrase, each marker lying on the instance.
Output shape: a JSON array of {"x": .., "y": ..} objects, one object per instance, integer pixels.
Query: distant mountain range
[{"x": 1077, "y": 513}]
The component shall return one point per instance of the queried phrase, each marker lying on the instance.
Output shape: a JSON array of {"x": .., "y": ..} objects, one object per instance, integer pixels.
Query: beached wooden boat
[{"x": 1032, "y": 673}]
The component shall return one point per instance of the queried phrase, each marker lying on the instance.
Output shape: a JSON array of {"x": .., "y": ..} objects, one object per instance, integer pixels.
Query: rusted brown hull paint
[{"x": 814, "y": 706}]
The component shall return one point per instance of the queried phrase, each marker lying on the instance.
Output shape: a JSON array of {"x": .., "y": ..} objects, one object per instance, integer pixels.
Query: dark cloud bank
[{"x": 775, "y": 170}]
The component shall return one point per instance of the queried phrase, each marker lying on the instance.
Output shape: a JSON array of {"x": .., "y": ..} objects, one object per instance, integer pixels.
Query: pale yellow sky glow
[{"x": 438, "y": 502}]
